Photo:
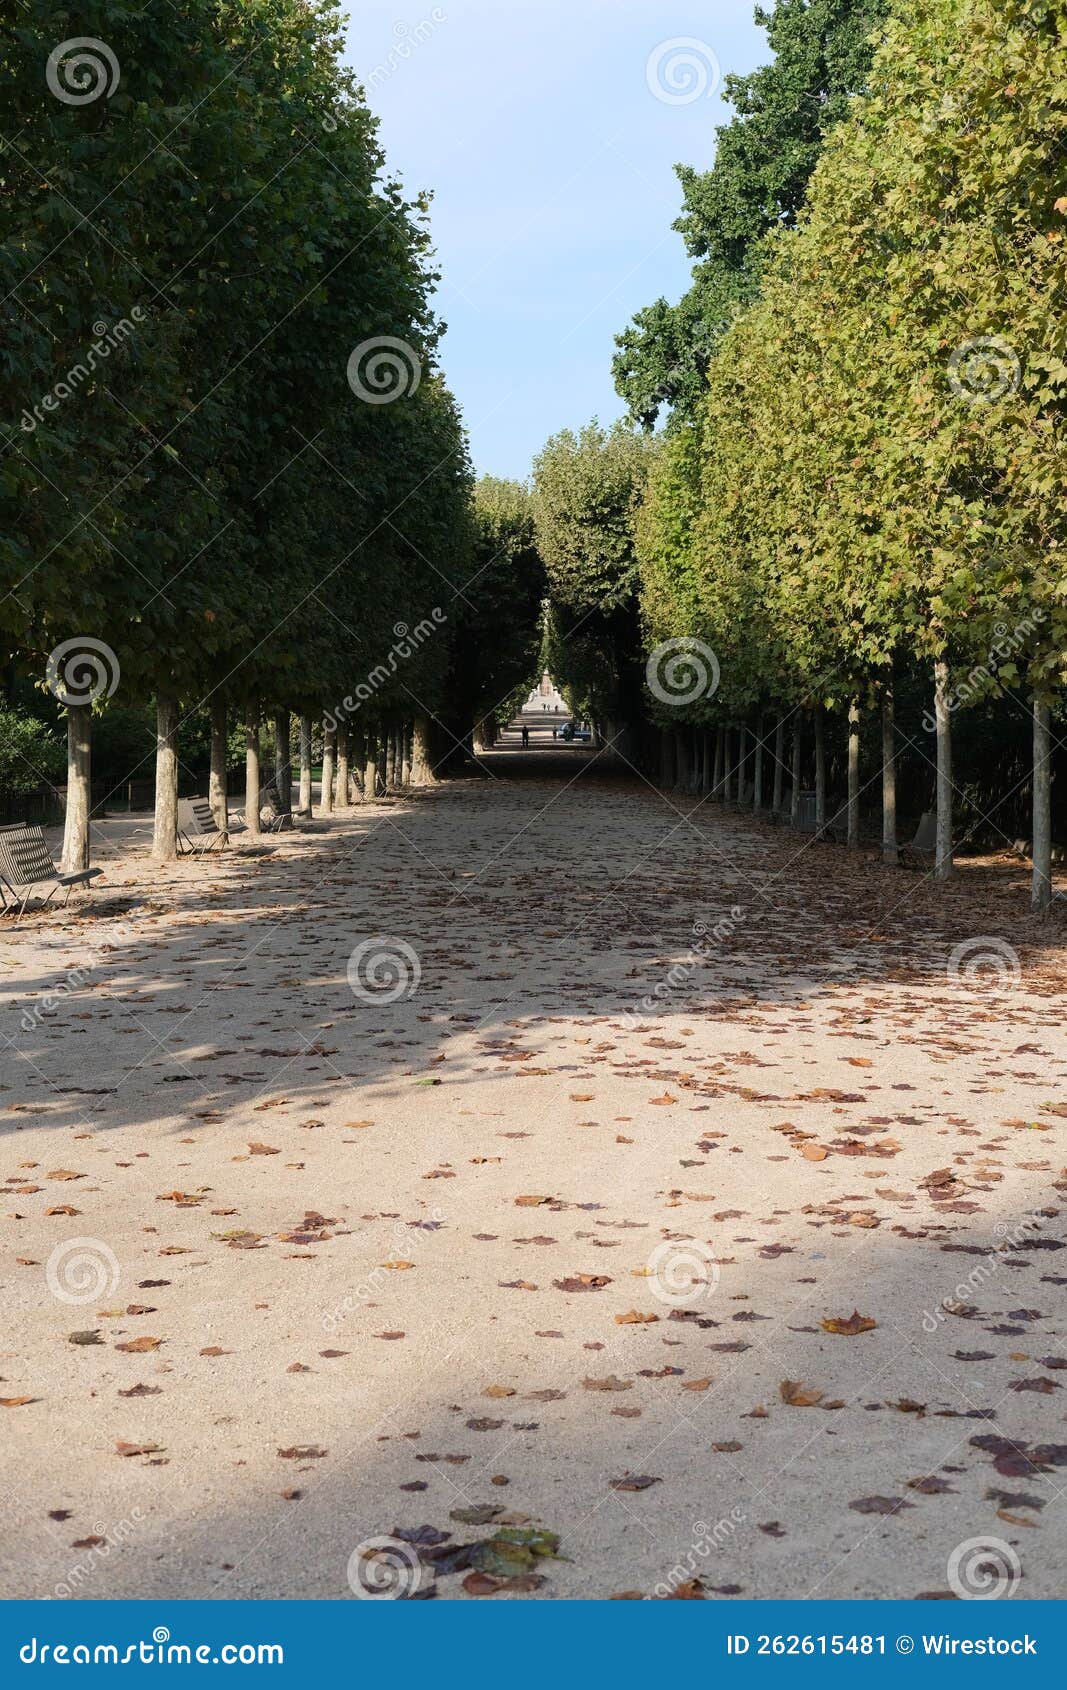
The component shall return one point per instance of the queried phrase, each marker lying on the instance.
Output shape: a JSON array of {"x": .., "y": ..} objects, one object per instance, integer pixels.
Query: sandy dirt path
[{"x": 555, "y": 1241}]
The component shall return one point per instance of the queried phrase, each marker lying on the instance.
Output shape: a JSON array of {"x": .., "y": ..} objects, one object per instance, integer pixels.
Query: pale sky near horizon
[{"x": 551, "y": 161}]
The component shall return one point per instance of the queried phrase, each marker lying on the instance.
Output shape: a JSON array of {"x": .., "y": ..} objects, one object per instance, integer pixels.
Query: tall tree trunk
[
  {"x": 304, "y": 800},
  {"x": 252, "y": 793},
  {"x": 405, "y": 767},
  {"x": 681, "y": 759},
  {"x": 165, "y": 831},
  {"x": 666, "y": 759},
  {"x": 742, "y": 764},
  {"x": 720, "y": 759},
  {"x": 779, "y": 766},
  {"x": 390, "y": 759},
  {"x": 329, "y": 766},
  {"x": 422, "y": 772},
  {"x": 343, "y": 780},
  {"x": 283, "y": 760},
  {"x": 1041, "y": 890},
  {"x": 890, "y": 849},
  {"x": 798, "y": 766},
  {"x": 76, "y": 826},
  {"x": 370, "y": 768},
  {"x": 705, "y": 761},
  {"x": 728, "y": 766},
  {"x": 357, "y": 757},
  {"x": 820, "y": 771},
  {"x": 220, "y": 758},
  {"x": 485, "y": 733},
  {"x": 943, "y": 864},
  {"x": 854, "y": 775},
  {"x": 757, "y": 771}
]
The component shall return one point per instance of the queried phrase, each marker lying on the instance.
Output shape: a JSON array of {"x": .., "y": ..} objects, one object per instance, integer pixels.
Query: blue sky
[{"x": 551, "y": 164}]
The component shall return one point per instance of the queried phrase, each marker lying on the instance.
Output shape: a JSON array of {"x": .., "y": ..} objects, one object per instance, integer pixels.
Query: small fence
[{"x": 47, "y": 805}]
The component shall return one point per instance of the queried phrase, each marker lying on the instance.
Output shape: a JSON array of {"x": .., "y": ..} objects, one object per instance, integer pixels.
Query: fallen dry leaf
[
  {"x": 798, "y": 1395},
  {"x": 850, "y": 1328}
]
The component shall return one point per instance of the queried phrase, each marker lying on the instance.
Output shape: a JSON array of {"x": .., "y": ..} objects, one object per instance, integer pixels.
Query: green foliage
[
  {"x": 877, "y": 474},
  {"x": 197, "y": 483},
  {"x": 30, "y": 753},
  {"x": 587, "y": 491},
  {"x": 498, "y": 616}
]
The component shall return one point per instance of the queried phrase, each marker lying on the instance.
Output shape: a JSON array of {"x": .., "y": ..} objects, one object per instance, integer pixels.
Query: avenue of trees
[
  {"x": 207, "y": 505},
  {"x": 235, "y": 489},
  {"x": 849, "y": 541}
]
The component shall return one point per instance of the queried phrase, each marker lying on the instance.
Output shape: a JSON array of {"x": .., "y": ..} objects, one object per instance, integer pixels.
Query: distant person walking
[{"x": 525, "y": 738}]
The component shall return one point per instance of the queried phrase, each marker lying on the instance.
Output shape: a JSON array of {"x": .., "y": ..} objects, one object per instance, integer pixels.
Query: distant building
[{"x": 545, "y": 698}]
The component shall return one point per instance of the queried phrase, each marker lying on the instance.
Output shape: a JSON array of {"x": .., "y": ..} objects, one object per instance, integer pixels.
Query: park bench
[
  {"x": 198, "y": 831},
  {"x": 806, "y": 813},
  {"x": 272, "y": 818},
  {"x": 26, "y": 863},
  {"x": 779, "y": 817},
  {"x": 922, "y": 850}
]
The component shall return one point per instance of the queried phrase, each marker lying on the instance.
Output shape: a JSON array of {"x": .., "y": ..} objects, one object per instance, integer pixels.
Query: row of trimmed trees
[
  {"x": 850, "y": 544},
  {"x": 874, "y": 483},
  {"x": 233, "y": 481}
]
